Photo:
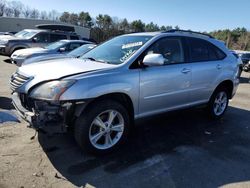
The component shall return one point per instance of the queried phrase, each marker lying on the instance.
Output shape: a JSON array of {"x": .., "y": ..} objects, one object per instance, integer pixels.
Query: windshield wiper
[{"x": 99, "y": 61}]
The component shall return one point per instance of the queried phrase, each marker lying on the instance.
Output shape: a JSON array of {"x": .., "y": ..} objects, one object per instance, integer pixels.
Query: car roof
[{"x": 79, "y": 41}]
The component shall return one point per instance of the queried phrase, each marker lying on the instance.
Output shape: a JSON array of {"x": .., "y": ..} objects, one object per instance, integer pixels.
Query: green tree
[
  {"x": 65, "y": 17},
  {"x": 137, "y": 26},
  {"x": 85, "y": 19}
]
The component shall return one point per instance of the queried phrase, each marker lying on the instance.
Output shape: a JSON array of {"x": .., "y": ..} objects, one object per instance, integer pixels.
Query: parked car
[
  {"x": 245, "y": 57},
  {"x": 128, "y": 77},
  {"x": 78, "y": 52},
  {"x": 59, "y": 47},
  {"x": 240, "y": 63},
  {"x": 32, "y": 38},
  {"x": 246, "y": 67}
]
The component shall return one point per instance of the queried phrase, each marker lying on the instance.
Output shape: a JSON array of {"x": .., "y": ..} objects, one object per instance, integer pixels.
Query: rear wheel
[
  {"x": 102, "y": 127},
  {"x": 218, "y": 103}
]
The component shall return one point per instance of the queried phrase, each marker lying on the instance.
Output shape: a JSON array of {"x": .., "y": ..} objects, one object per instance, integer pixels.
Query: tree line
[{"x": 104, "y": 26}]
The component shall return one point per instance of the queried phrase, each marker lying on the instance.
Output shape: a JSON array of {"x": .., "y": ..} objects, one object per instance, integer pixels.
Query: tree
[
  {"x": 137, "y": 26},
  {"x": 124, "y": 25},
  {"x": 73, "y": 19},
  {"x": 152, "y": 27},
  {"x": 85, "y": 19},
  {"x": 16, "y": 7},
  {"x": 26, "y": 12},
  {"x": 65, "y": 17},
  {"x": 2, "y": 7},
  {"x": 44, "y": 15},
  {"x": 34, "y": 14}
]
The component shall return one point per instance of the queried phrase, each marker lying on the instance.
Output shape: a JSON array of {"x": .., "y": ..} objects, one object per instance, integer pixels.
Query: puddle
[{"x": 8, "y": 116}]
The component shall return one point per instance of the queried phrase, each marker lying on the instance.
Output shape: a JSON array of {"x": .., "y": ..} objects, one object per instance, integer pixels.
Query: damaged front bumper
[{"x": 44, "y": 114}]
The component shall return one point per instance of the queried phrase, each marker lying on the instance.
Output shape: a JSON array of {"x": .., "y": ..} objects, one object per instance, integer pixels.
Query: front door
[{"x": 165, "y": 87}]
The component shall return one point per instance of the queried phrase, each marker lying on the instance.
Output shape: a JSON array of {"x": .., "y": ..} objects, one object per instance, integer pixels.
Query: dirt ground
[{"x": 180, "y": 149}]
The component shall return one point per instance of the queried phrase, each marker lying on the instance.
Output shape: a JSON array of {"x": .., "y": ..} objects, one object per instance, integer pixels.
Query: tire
[
  {"x": 218, "y": 103},
  {"x": 95, "y": 120}
]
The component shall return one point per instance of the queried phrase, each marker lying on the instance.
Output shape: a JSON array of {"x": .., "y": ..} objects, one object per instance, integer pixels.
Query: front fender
[{"x": 96, "y": 86}]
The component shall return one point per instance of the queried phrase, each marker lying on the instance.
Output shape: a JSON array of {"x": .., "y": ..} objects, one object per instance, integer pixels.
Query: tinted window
[
  {"x": 42, "y": 37},
  {"x": 201, "y": 50},
  {"x": 74, "y": 37},
  {"x": 73, "y": 46},
  {"x": 56, "y": 37},
  {"x": 247, "y": 56},
  {"x": 170, "y": 48}
]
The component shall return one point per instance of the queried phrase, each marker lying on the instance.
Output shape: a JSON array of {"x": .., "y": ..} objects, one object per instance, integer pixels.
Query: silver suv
[
  {"x": 126, "y": 78},
  {"x": 28, "y": 38}
]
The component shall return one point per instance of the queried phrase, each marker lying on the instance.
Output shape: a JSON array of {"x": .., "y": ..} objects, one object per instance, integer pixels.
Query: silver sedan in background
[{"x": 59, "y": 47}]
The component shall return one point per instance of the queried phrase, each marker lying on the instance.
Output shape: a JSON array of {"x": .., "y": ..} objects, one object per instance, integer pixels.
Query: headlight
[
  {"x": 51, "y": 90},
  {"x": 3, "y": 42}
]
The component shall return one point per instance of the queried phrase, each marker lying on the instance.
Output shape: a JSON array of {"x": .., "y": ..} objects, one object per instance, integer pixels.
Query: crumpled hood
[
  {"x": 29, "y": 51},
  {"x": 55, "y": 69}
]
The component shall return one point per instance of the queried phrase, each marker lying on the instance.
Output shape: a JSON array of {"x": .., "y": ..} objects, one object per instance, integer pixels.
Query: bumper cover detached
[
  {"x": 23, "y": 112},
  {"x": 45, "y": 116}
]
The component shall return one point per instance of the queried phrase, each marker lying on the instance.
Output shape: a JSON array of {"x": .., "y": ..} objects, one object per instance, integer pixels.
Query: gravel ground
[{"x": 179, "y": 149}]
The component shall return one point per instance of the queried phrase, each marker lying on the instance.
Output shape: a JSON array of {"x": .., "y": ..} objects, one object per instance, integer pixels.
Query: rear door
[
  {"x": 165, "y": 87},
  {"x": 207, "y": 65}
]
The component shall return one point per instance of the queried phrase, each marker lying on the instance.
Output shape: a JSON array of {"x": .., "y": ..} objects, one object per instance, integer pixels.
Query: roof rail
[{"x": 187, "y": 31}]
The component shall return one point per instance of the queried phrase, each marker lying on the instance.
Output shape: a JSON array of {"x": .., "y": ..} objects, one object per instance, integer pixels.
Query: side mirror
[
  {"x": 34, "y": 39},
  {"x": 62, "y": 49},
  {"x": 153, "y": 60}
]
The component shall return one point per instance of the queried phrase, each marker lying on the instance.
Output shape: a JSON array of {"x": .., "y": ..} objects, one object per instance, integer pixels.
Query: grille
[{"x": 17, "y": 80}]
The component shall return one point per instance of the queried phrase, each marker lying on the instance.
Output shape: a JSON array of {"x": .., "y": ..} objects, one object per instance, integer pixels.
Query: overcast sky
[{"x": 197, "y": 15}]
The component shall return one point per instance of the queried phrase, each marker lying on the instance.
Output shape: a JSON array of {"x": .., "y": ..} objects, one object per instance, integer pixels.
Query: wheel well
[
  {"x": 227, "y": 84},
  {"x": 122, "y": 98},
  {"x": 17, "y": 48}
]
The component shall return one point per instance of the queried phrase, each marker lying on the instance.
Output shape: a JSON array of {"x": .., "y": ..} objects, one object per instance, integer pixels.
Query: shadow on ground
[
  {"x": 180, "y": 149},
  {"x": 7, "y": 60},
  {"x": 5, "y": 103}
]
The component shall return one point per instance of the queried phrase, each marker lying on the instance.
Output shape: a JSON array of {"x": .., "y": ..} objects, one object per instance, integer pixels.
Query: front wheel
[
  {"x": 102, "y": 127},
  {"x": 218, "y": 103}
]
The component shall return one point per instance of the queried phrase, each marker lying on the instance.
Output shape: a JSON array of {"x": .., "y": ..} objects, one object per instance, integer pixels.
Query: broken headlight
[{"x": 51, "y": 90}]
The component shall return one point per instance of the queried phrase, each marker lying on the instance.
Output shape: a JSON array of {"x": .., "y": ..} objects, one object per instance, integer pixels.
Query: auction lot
[{"x": 179, "y": 149}]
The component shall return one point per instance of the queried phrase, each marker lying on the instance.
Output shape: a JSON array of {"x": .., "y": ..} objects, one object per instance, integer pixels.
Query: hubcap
[
  {"x": 106, "y": 129},
  {"x": 220, "y": 103}
]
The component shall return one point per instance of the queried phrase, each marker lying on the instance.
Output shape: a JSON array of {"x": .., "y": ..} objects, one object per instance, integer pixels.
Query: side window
[
  {"x": 74, "y": 37},
  {"x": 201, "y": 50},
  {"x": 170, "y": 48},
  {"x": 73, "y": 46},
  {"x": 42, "y": 38},
  {"x": 56, "y": 37}
]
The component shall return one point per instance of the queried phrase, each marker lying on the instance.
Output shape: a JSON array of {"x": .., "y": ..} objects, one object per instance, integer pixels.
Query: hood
[
  {"x": 42, "y": 58},
  {"x": 29, "y": 51},
  {"x": 55, "y": 69},
  {"x": 7, "y": 37}
]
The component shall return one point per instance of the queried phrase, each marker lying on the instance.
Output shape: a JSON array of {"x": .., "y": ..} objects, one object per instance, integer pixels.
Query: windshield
[
  {"x": 82, "y": 50},
  {"x": 21, "y": 33},
  {"x": 247, "y": 56},
  {"x": 55, "y": 45},
  {"x": 117, "y": 50},
  {"x": 29, "y": 35}
]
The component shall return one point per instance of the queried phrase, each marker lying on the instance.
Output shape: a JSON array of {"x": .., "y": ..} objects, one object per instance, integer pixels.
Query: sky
[{"x": 198, "y": 15}]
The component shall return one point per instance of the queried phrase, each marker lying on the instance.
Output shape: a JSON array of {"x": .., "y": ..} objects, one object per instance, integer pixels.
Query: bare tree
[
  {"x": 34, "y": 14},
  {"x": 2, "y": 7},
  {"x": 26, "y": 12},
  {"x": 44, "y": 15},
  {"x": 16, "y": 7}
]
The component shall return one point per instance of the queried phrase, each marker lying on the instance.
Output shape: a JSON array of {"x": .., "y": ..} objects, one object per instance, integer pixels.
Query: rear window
[
  {"x": 56, "y": 37},
  {"x": 201, "y": 50},
  {"x": 245, "y": 56},
  {"x": 74, "y": 37}
]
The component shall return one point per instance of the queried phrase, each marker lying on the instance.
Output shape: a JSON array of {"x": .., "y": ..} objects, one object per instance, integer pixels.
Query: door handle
[
  {"x": 218, "y": 66},
  {"x": 185, "y": 70}
]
